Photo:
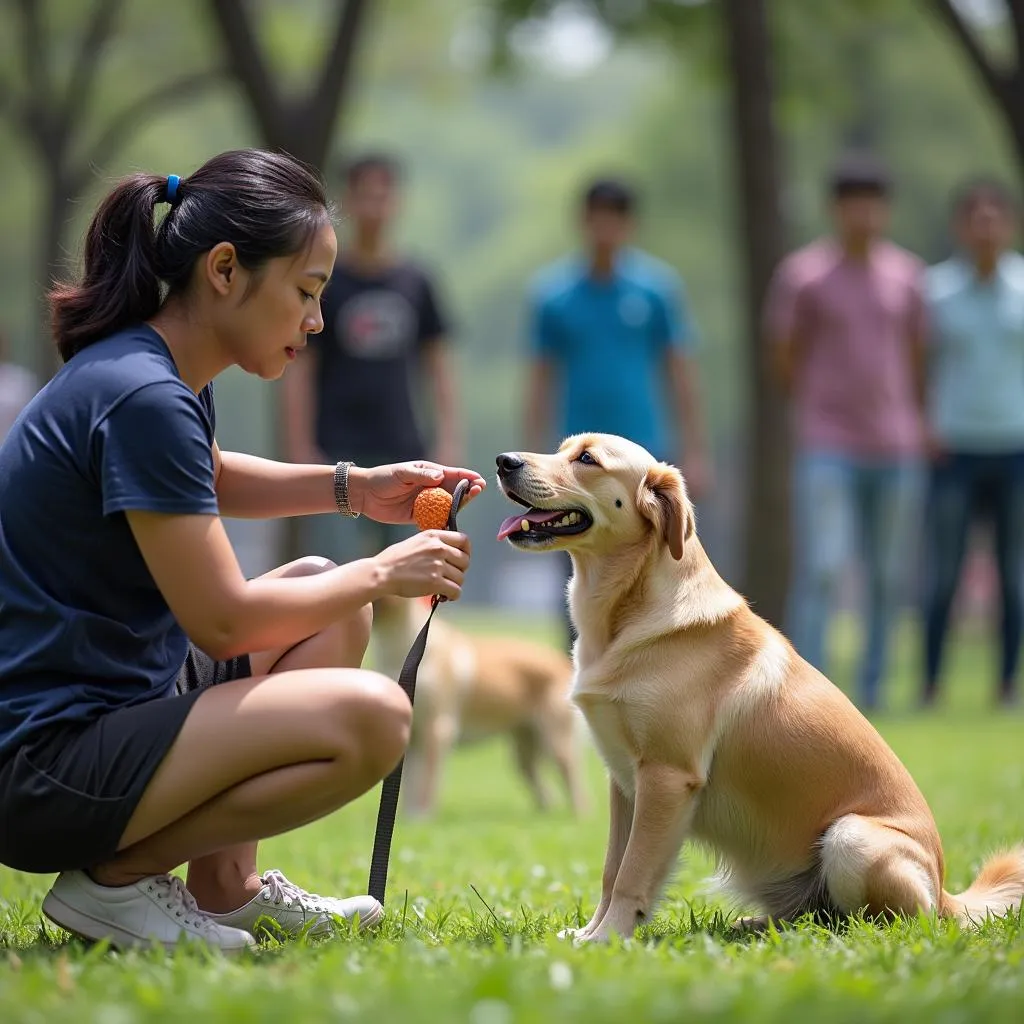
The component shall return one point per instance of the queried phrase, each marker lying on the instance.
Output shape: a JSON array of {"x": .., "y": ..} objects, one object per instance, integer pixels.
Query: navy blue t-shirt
[{"x": 83, "y": 627}]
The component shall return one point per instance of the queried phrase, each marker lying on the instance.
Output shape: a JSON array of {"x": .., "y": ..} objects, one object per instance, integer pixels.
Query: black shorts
[{"x": 67, "y": 795}]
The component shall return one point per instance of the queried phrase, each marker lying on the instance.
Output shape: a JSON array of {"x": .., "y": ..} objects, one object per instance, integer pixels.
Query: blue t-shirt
[
  {"x": 976, "y": 337},
  {"x": 608, "y": 339},
  {"x": 83, "y": 627}
]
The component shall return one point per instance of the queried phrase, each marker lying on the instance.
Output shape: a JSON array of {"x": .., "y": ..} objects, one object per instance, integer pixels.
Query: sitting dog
[
  {"x": 712, "y": 727},
  {"x": 470, "y": 688}
]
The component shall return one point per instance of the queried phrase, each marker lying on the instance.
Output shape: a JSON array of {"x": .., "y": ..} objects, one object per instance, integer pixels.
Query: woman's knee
[
  {"x": 373, "y": 720},
  {"x": 307, "y": 565},
  {"x": 352, "y": 632},
  {"x": 360, "y": 626},
  {"x": 341, "y": 645}
]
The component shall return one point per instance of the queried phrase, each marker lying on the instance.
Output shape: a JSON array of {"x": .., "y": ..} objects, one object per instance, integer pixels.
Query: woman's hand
[
  {"x": 432, "y": 562},
  {"x": 386, "y": 493}
]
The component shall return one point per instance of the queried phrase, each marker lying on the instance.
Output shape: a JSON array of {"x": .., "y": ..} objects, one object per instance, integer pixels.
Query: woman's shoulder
[
  {"x": 129, "y": 375},
  {"x": 119, "y": 365}
]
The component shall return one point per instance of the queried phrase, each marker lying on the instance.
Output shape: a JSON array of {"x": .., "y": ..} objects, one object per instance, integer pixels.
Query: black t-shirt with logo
[{"x": 375, "y": 329}]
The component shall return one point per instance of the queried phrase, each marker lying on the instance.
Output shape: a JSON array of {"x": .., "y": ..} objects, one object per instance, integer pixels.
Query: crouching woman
[{"x": 157, "y": 707}]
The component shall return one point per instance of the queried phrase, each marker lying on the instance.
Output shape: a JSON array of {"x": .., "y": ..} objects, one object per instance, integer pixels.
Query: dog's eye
[{"x": 586, "y": 458}]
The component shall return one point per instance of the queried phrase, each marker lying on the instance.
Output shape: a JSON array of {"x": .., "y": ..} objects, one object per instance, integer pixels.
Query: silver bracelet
[{"x": 341, "y": 490}]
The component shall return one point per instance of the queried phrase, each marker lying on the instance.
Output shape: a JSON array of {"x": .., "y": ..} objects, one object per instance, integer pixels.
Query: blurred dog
[
  {"x": 712, "y": 727},
  {"x": 470, "y": 688}
]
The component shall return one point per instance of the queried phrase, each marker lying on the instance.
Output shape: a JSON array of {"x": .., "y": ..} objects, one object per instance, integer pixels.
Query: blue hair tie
[{"x": 172, "y": 188}]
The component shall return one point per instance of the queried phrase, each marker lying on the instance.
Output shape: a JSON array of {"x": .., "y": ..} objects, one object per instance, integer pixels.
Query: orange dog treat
[{"x": 431, "y": 508}]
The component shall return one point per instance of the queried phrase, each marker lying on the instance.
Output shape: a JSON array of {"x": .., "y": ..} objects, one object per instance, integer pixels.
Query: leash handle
[{"x": 387, "y": 811}]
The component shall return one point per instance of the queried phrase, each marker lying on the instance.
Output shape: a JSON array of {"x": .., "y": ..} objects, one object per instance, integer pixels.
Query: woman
[
  {"x": 155, "y": 706},
  {"x": 976, "y": 317}
]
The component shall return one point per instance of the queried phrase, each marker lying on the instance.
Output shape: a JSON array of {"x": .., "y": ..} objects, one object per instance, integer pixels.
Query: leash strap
[{"x": 388, "y": 809}]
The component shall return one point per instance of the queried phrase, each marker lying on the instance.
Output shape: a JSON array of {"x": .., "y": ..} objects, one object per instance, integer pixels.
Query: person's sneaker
[
  {"x": 281, "y": 908},
  {"x": 156, "y": 909}
]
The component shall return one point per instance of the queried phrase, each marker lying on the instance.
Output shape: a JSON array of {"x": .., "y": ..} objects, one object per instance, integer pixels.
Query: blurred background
[{"x": 726, "y": 116}]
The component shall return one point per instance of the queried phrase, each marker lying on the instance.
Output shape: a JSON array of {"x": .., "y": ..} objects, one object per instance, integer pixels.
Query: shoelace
[
  {"x": 179, "y": 900},
  {"x": 279, "y": 890}
]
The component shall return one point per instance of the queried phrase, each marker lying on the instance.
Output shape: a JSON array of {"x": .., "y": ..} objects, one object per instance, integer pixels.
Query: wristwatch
[{"x": 341, "y": 490}]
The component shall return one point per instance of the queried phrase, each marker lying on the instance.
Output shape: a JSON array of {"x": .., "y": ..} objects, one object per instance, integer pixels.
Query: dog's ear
[{"x": 662, "y": 499}]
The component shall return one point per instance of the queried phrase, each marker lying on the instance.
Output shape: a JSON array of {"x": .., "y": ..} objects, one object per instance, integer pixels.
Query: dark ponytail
[
  {"x": 266, "y": 204},
  {"x": 120, "y": 285}
]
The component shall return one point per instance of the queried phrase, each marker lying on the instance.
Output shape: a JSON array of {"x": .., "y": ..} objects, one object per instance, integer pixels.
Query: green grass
[{"x": 476, "y": 898}]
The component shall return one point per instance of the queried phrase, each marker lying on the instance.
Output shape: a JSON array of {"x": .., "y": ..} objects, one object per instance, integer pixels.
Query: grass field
[{"x": 477, "y": 896}]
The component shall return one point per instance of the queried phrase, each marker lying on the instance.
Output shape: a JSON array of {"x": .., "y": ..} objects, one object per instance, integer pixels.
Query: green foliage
[
  {"x": 495, "y": 164},
  {"x": 477, "y": 896}
]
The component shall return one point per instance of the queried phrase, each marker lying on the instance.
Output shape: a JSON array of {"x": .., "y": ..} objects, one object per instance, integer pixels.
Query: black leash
[{"x": 388, "y": 810}]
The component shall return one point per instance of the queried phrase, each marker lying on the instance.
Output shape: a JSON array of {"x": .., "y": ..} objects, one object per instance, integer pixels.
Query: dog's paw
[
  {"x": 751, "y": 925},
  {"x": 590, "y": 934},
  {"x": 577, "y": 936}
]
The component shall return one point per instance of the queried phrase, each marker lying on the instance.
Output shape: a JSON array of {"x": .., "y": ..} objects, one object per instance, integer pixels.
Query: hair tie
[{"x": 172, "y": 189}]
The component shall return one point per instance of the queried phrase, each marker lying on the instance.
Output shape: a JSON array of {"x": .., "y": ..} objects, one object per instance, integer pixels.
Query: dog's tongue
[{"x": 515, "y": 523}]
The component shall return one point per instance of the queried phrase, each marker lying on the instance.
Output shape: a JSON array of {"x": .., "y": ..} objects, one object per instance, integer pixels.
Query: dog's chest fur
[
  {"x": 609, "y": 728},
  {"x": 622, "y": 714}
]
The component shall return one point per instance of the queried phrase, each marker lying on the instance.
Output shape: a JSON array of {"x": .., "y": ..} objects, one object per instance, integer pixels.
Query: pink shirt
[{"x": 854, "y": 384}]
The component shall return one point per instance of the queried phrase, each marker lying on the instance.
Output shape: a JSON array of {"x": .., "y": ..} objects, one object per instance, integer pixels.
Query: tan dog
[
  {"x": 711, "y": 725},
  {"x": 470, "y": 688}
]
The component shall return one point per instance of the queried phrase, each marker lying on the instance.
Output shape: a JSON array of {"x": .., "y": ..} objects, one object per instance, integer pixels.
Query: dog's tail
[{"x": 998, "y": 890}]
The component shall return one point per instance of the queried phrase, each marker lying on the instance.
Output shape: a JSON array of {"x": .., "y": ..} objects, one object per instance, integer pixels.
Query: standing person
[
  {"x": 976, "y": 417},
  {"x": 354, "y": 393},
  {"x": 156, "y": 707},
  {"x": 612, "y": 345},
  {"x": 845, "y": 317}
]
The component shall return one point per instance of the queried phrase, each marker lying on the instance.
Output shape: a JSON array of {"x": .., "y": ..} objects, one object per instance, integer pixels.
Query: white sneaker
[
  {"x": 156, "y": 909},
  {"x": 282, "y": 907}
]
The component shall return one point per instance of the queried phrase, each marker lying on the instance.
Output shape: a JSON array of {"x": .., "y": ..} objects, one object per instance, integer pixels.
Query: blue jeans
[
  {"x": 963, "y": 488},
  {"x": 840, "y": 504}
]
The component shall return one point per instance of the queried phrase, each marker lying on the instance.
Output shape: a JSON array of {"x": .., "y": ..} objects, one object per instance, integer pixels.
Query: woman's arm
[
  {"x": 249, "y": 487},
  {"x": 194, "y": 566}
]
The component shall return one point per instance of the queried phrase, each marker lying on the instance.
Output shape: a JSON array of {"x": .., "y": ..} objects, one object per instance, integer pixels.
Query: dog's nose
[{"x": 508, "y": 462}]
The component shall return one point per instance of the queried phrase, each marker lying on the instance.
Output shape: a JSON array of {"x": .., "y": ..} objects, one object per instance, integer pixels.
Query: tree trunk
[
  {"x": 52, "y": 266},
  {"x": 766, "y": 534},
  {"x": 1004, "y": 84},
  {"x": 301, "y": 125},
  {"x": 50, "y": 119},
  {"x": 1013, "y": 108}
]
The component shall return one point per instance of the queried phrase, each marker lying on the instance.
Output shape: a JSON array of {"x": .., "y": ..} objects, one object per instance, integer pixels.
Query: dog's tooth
[
  {"x": 574, "y": 517},
  {"x": 525, "y": 525}
]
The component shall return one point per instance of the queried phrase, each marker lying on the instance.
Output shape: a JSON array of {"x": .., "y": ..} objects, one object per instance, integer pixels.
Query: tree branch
[
  {"x": 337, "y": 72},
  {"x": 24, "y": 118},
  {"x": 1017, "y": 17},
  {"x": 993, "y": 79},
  {"x": 7, "y": 102},
  {"x": 122, "y": 125},
  {"x": 33, "y": 50},
  {"x": 248, "y": 66},
  {"x": 83, "y": 73},
  {"x": 36, "y": 64}
]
